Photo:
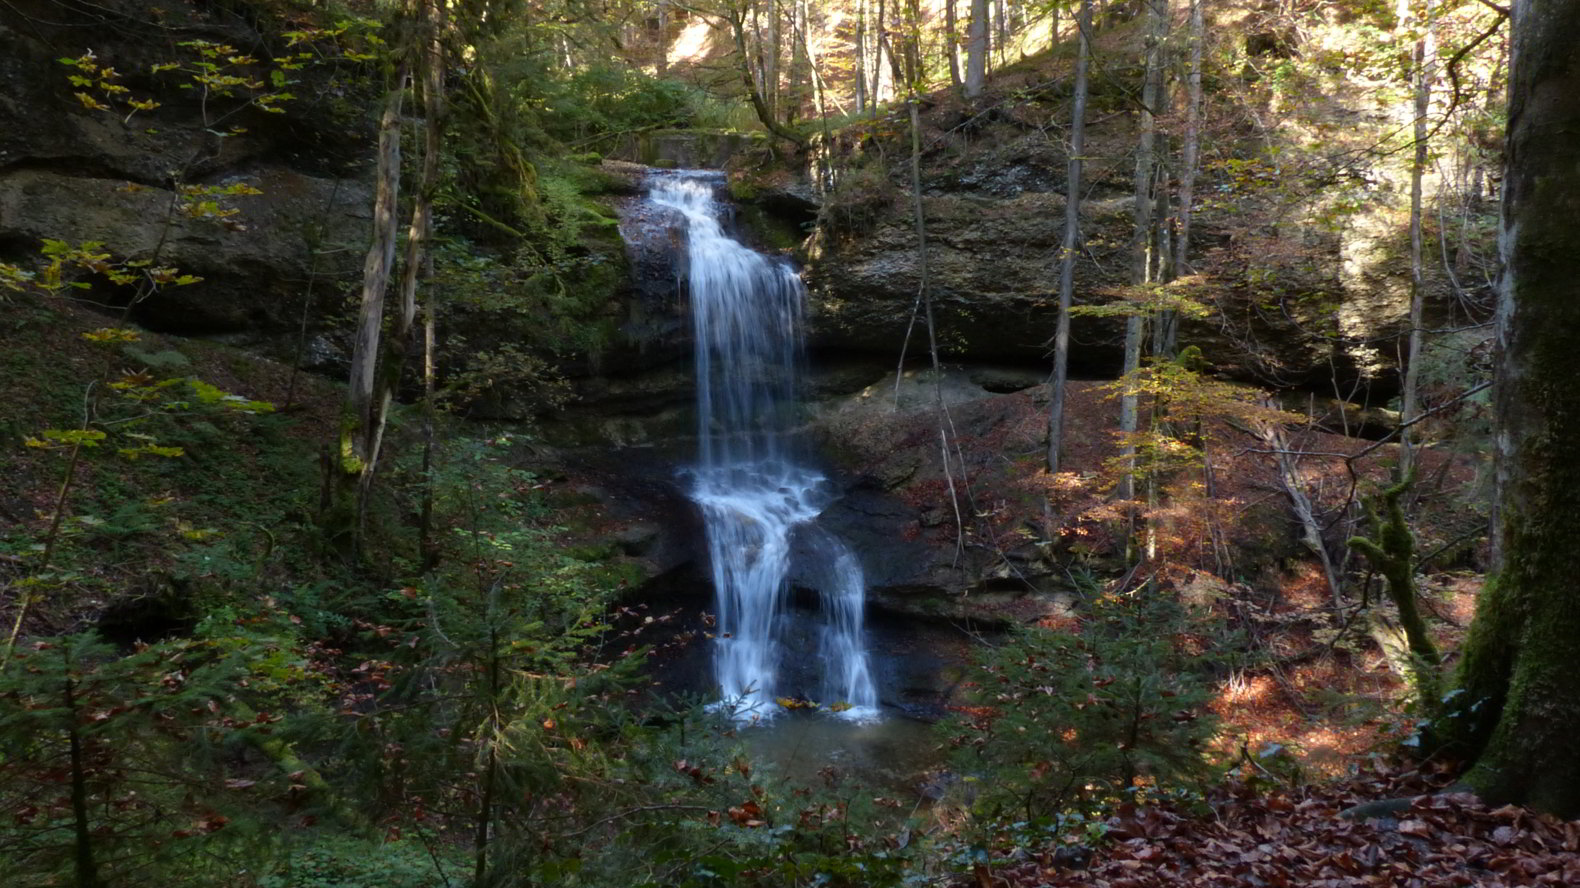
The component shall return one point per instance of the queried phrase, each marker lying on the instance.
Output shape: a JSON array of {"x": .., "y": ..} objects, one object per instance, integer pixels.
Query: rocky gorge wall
[{"x": 76, "y": 173}]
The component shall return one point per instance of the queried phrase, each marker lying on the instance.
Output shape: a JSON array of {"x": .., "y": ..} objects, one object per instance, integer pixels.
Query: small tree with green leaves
[{"x": 1066, "y": 722}]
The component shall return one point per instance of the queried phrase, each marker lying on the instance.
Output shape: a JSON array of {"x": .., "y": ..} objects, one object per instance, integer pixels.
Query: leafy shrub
[
  {"x": 859, "y": 200},
  {"x": 350, "y": 863},
  {"x": 1063, "y": 723}
]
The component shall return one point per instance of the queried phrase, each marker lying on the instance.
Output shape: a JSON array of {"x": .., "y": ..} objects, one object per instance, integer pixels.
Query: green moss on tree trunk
[{"x": 1518, "y": 716}]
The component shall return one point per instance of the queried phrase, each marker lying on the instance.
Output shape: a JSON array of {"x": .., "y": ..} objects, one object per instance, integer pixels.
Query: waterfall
[{"x": 757, "y": 500}]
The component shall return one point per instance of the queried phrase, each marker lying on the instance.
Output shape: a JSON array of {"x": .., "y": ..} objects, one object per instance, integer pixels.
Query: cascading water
[{"x": 755, "y": 496}]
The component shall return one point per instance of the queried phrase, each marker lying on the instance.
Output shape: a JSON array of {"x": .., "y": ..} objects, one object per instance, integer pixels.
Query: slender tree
[
  {"x": 1423, "y": 70},
  {"x": 1190, "y": 150},
  {"x": 358, "y": 428},
  {"x": 1072, "y": 224},
  {"x": 977, "y": 49},
  {"x": 952, "y": 44},
  {"x": 861, "y": 57},
  {"x": 661, "y": 65},
  {"x": 1141, "y": 237}
]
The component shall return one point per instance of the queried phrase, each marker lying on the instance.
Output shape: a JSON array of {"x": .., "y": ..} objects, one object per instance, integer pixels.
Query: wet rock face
[{"x": 655, "y": 241}]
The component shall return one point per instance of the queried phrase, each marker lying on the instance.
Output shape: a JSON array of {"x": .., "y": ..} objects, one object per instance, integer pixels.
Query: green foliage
[
  {"x": 1065, "y": 723},
  {"x": 860, "y": 198},
  {"x": 1186, "y": 402},
  {"x": 344, "y": 862},
  {"x": 138, "y": 760}
]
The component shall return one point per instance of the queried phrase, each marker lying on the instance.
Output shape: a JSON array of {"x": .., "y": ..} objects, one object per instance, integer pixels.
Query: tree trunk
[
  {"x": 431, "y": 71},
  {"x": 86, "y": 868},
  {"x": 977, "y": 48},
  {"x": 861, "y": 57},
  {"x": 1191, "y": 150},
  {"x": 877, "y": 57},
  {"x": 662, "y": 64},
  {"x": 356, "y": 428},
  {"x": 1000, "y": 30},
  {"x": 802, "y": 86},
  {"x": 952, "y": 44},
  {"x": 914, "y": 73},
  {"x": 1141, "y": 249},
  {"x": 1518, "y": 715},
  {"x": 1425, "y": 68},
  {"x": 1391, "y": 553},
  {"x": 1072, "y": 219}
]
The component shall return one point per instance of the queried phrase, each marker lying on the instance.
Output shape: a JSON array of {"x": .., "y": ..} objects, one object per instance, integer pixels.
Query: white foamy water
[{"x": 754, "y": 494}]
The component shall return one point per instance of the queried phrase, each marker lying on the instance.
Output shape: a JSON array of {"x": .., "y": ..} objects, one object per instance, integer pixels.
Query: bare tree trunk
[
  {"x": 1190, "y": 152},
  {"x": 913, "y": 46},
  {"x": 662, "y": 65},
  {"x": 427, "y": 543},
  {"x": 1141, "y": 243},
  {"x": 1425, "y": 69},
  {"x": 799, "y": 87},
  {"x": 977, "y": 49},
  {"x": 1072, "y": 221},
  {"x": 770, "y": 47},
  {"x": 878, "y": 44},
  {"x": 432, "y": 75},
  {"x": 952, "y": 43},
  {"x": 357, "y": 426},
  {"x": 86, "y": 868},
  {"x": 861, "y": 57},
  {"x": 1000, "y": 30}
]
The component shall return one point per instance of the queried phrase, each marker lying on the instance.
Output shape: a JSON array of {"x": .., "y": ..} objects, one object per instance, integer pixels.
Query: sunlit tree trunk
[
  {"x": 861, "y": 57},
  {"x": 1000, "y": 30},
  {"x": 1141, "y": 240},
  {"x": 977, "y": 49},
  {"x": 879, "y": 45},
  {"x": 1516, "y": 712},
  {"x": 800, "y": 79},
  {"x": 952, "y": 43},
  {"x": 1191, "y": 149},
  {"x": 1072, "y": 221}
]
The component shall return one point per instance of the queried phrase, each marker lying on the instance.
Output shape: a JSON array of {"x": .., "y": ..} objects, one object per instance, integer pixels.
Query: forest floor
[{"x": 1263, "y": 834}]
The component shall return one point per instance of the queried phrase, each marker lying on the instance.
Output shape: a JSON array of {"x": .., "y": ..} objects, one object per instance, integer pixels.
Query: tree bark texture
[
  {"x": 1141, "y": 244},
  {"x": 1072, "y": 220},
  {"x": 357, "y": 426},
  {"x": 952, "y": 44},
  {"x": 1424, "y": 69},
  {"x": 976, "y": 48},
  {"x": 1519, "y": 715},
  {"x": 1191, "y": 150}
]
